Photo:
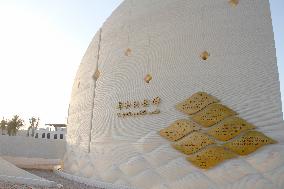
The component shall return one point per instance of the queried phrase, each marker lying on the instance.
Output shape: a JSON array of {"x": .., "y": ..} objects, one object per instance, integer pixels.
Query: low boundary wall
[{"x": 28, "y": 147}]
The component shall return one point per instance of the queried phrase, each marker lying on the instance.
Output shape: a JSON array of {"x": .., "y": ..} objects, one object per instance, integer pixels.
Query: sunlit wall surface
[{"x": 148, "y": 49}]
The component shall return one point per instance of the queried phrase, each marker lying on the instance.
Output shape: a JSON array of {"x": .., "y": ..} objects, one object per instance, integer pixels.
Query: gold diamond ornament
[
  {"x": 204, "y": 55},
  {"x": 229, "y": 128},
  {"x": 210, "y": 157},
  {"x": 148, "y": 78},
  {"x": 212, "y": 114},
  {"x": 196, "y": 102},
  {"x": 193, "y": 143},
  {"x": 249, "y": 142},
  {"x": 234, "y": 3},
  {"x": 127, "y": 52},
  {"x": 96, "y": 74},
  {"x": 179, "y": 129}
]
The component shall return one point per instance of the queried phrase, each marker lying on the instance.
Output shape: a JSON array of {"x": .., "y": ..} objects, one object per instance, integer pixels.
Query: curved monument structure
[{"x": 179, "y": 94}]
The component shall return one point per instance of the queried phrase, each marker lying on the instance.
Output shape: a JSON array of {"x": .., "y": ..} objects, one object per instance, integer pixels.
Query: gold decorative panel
[
  {"x": 213, "y": 114},
  {"x": 249, "y": 142},
  {"x": 179, "y": 129},
  {"x": 229, "y": 128},
  {"x": 196, "y": 102},
  {"x": 213, "y": 133},
  {"x": 210, "y": 157},
  {"x": 193, "y": 142}
]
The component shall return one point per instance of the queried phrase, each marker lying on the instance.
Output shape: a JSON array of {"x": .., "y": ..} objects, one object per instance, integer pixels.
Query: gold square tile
[
  {"x": 249, "y": 142},
  {"x": 193, "y": 143},
  {"x": 229, "y": 128},
  {"x": 210, "y": 157},
  {"x": 196, "y": 102},
  {"x": 212, "y": 114},
  {"x": 179, "y": 129}
]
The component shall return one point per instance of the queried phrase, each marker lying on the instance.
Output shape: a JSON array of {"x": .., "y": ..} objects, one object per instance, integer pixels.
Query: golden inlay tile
[
  {"x": 193, "y": 143},
  {"x": 210, "y": 157},
  {"x": 196, "y": 102},
  {"x": 179, "y": 129},
  {"x": 96, "y": 74},
  {"x": 204, "y": 55},
  {"x": 148, "y": 78},
  {"x": 234, "y": 3},
  {"x": 127, "y": 52},
  {"x": 212, "y": 114},
  {"x": 249, "y": 142},
  {"x": 229, "y": 128}
]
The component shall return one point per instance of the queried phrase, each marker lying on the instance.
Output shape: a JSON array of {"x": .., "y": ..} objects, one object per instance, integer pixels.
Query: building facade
[{"x": 48, "y": 133}]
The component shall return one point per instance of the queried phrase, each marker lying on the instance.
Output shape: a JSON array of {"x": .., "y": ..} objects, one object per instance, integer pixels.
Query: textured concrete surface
[{"x": 166, "y": 38}]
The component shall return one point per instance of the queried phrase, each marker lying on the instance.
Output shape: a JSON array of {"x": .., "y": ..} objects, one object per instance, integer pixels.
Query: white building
[
  {"x": 54, "y": 131},
  {"x": 172, "y": 49}
]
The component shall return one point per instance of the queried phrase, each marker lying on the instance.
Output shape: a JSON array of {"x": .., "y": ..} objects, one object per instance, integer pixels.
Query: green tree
[
  {"x": 33, "y": 126},
  {"x": 3, "y": 125},
  {"x": 14, "y": 125}
]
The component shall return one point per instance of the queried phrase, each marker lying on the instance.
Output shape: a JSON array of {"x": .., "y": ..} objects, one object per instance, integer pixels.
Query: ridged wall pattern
[{"x": 166, "y": 38}]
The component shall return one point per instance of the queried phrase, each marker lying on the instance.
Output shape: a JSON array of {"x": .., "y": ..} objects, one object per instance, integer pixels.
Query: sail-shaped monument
[{"x": 179, "y": 94}]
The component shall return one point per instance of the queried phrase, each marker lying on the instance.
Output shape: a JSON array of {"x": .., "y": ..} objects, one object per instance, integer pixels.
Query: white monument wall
[{"x": 165, "y": 39}]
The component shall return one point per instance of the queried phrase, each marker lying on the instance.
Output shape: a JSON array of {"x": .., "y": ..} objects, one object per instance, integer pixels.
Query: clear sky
[{"x": 42, "y": 43}]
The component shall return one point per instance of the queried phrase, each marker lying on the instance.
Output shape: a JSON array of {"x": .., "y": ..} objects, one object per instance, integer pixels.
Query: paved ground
[{"x": 49, "y": 175}]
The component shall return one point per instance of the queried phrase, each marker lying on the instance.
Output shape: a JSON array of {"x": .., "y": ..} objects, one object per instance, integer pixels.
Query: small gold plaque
[
  {"x": 196, "y": 102},
  {"x": 127, "y": 52},
  {"x": 96, "y": 74},
  {"x": 210, "y": 157},
  {"x": 234, "y": 3},
  {"x": 148, "y": 78},
  {"x": 249, "y": 142},
  {"x": 179, "y": 129},
  {"x": 212, "y": 114},
  {"x": 193, "y": 143},
  {"x": 204, "y": 55},
  {"x": 229, "y": 128}
]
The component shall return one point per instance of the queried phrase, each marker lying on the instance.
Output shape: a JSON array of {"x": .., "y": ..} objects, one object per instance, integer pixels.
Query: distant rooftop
[{"x": 56, "y": 125}]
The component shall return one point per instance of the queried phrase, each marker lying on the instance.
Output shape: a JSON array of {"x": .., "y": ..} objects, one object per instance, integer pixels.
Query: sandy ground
[{"x": 49, "y": 175}]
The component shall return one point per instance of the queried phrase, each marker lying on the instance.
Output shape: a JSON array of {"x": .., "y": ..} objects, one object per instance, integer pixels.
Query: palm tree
[
  {"x": 14, "y": 125},
  {"x": 3, "y": 125},
  {"x": 33, "y": 125}
]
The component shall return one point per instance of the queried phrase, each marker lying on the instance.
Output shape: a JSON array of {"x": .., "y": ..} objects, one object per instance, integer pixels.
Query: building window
[
  {"x": 36, "y": 136},
  {"x": 48, "y": 135},
  {"x": 61, "y": 136},
  {"x": 55, "y": 136},
  {"x": 43, "y": 135}
]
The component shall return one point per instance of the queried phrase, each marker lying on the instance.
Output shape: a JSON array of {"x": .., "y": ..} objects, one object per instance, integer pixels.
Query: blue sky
[
  {"x": 277, "y": 14},
  {"x": 41, "y": 46},
  {"x": 42, "y": 43}
]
